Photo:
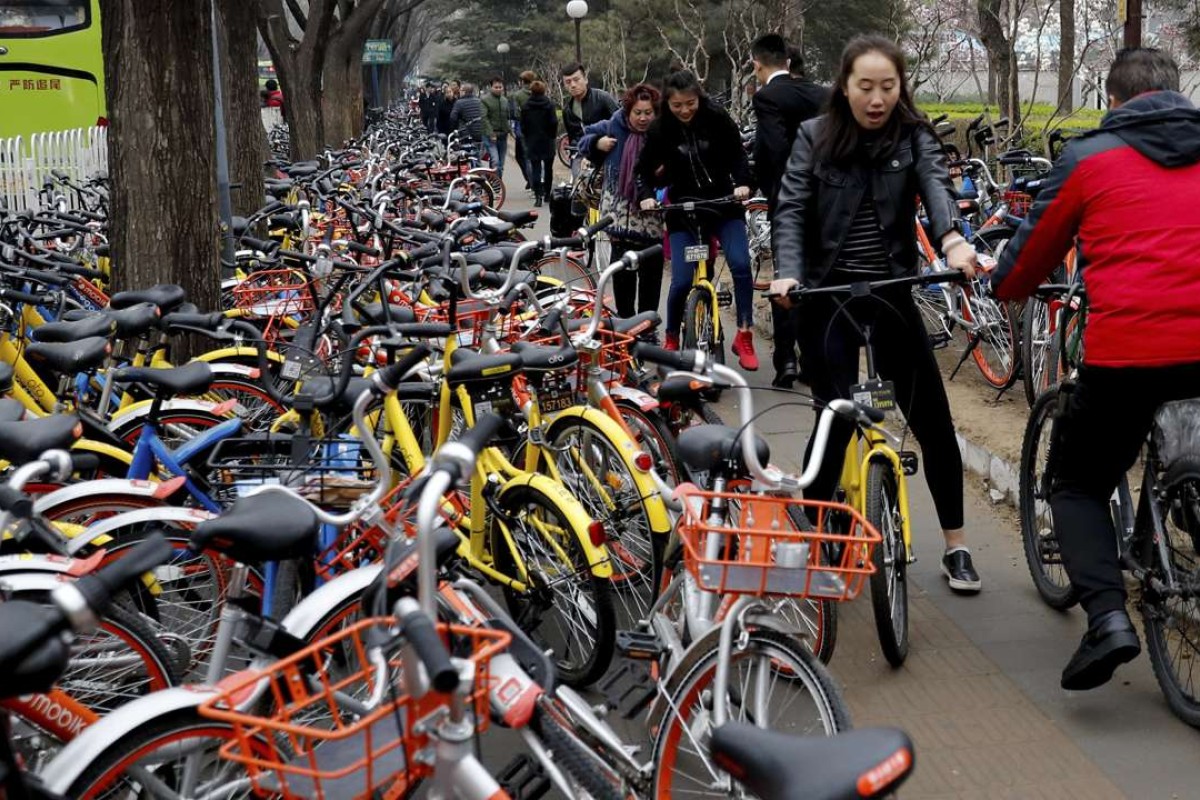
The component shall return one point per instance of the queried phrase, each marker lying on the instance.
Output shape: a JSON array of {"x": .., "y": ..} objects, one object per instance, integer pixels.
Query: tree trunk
[
  {"x": 158, "y": 66},
  {"x": 243, "y": 115},
  {"x": 1066, "y": 56},
  {"x": 1001, "y": 59},
  {"x": 299, "y": 69}
]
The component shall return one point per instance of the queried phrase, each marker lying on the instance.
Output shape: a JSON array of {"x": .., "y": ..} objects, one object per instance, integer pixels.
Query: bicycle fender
[
  {"x": 106, "y": 486},
  {"x": 103, "y": 449},
  {"x": 656, "y": 509},
  {"x": 79, "y": 753},
  {"x": 642, "y": 400},
  {"x": 168, "y": 514},
  {"x": 577, "y": 517},
  {"x": 301, "y": 620},
  {"x": 141, "y": 410},
  {"x": 28, "y": 572},
  {"x": 237, "y": 352}
]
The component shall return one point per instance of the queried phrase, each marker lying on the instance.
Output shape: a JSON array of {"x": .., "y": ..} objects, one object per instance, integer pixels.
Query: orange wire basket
[
  {"x": 758, "y": 549},
  {"x": 310, "y": 744},
  {"x": 1019, "y": 203},
  {"x": 274, "y": 293},
  {"x": 613, "y": 357}
]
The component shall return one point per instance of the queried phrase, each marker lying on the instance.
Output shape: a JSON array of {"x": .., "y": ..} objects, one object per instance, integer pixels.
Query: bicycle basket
[
  {"x": 755, "y": 547},
  {"x": 274, "y": 293},
  {"x": 331, "y": 472},
  {"x": 321, "y": 737},
  {"x": 1019, "y": 203}
]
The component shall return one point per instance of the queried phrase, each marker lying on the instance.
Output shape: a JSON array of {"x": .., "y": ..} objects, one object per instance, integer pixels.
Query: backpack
[{"x": 565, "y": 218}]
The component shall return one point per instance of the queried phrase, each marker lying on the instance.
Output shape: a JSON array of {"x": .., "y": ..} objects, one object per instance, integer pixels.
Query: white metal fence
[{"x": 25, "y": 165}]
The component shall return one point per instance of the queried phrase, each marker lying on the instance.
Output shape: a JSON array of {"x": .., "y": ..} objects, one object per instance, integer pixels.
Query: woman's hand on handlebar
[
  {"x": 960, "y": 255},
  {"x": 649, "y": 204},
  {"x": 781, "y": 287},
  {"x": 741, "y": 193}
]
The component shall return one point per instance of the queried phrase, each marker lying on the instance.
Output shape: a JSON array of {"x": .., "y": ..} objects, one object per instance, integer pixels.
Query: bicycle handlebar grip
[
  {"x": 389, "y": 377},
  {"x": 99, "y": 587},
  {"x": 681, "y": 359},
  {"x": 650, "y": 252},
  {"x": 872, "y": 414},
  {"x": 18, "y": 296},
  {"x": 1014, "y": 160},
  {"x": 80, "y": 271},
  {"x": 599, "y": 225},
  {"x": 84, "y": 462},
  {"x": 424, "y": 251},
  {"x": 565, "y": 241},
  {"x": 362, "y": 249},
  {"x": 423, "y": 636},
  {"x": 263, "y": 245},
  {"x": 15, "y": 502},
  {"x": 480, "y": 436}
]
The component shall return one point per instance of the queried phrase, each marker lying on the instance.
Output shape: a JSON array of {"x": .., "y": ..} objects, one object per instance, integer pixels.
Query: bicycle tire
[
  {"x": 573, "y": 273},
  {"x": 1161, "y": 621},
  {"x": 107, "y": 771},
  {"x": 889, "y": 582},
  {"x": 562, "y": 150},
  {"x": 697, "y": 670},
  {"x": 1036, "y": 349},
  {"x": 1037, "y": 535},
  {"x": 654, "y": 436},
  {"x": 823, "y": 635},
  {"x": 699, "y": 332},
  {"x": 176, "y": 426},
  {"x": 533, "y": 608},
  {"x": 575, "y": 758}
]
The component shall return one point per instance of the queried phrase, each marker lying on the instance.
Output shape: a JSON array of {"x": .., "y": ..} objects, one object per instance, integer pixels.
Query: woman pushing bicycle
[
  {"x": 845, "y": 215},
  {"x": 696, "y": 152}
]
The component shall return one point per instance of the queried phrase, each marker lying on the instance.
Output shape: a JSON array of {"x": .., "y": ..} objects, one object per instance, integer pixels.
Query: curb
[{"x": 1000, "y": 475}]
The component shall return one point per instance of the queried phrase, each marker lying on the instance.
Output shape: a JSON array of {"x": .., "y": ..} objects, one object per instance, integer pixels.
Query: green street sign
[{"x": 377, "y": 51}]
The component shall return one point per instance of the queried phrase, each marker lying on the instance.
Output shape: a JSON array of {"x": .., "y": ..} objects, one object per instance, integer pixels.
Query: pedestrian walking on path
[
  {"x": 845, "y": 210},
  {"x": 539, "y": 124},
  {"x": 497, "y": 114}
]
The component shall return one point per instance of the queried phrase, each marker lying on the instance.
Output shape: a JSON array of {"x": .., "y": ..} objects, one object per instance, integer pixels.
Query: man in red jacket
[{"x": 1130, "y": 193}]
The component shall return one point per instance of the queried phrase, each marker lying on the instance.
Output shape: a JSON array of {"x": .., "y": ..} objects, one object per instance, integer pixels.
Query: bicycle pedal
[
  {"x": 724, "y": 298},
  {"x": 629, "y": 688},
  {"x": 639, "y": 645},
  {"x": 939, "y": 341},
  {"x": 524, "y": 778},
  {"x": 909, "y": 461}
]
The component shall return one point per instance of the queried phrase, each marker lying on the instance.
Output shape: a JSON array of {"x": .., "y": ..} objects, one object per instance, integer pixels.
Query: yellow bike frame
[{"x": 864, "y": 449}]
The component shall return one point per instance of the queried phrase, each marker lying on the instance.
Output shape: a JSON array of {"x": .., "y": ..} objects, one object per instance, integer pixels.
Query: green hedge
[{"x": 961, "y": 115}]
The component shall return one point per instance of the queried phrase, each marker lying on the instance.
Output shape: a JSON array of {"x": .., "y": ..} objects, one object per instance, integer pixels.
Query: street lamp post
[
  {"x": 577, "y": 10},
  {"x": 502, "y": 49}
]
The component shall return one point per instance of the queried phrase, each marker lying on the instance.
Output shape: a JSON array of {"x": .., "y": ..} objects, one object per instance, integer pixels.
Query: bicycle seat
[
  {"x": 70, "y": 357},
  {"x": 374, "y": 312},
  {"x": 490, "y": 259},
  {"x": 265, "y": 527},
  {"x": 535, "y": 358},
  {"x": 11, "y": 410},
  {"x": 637, "y": 324},
  {"x": 167, "y": 296},
  {"x": 706, "y": 447},
  {"x": 474, "y": 367},
  {"x": 189, "y": 379},
  {"x": 779, "y": 766},
  {"x": 135, "y": 321},
  {"x": 495, "y": 227},
  {"x": 96, "y": 324},
  {"x": 518, "y": 218},
  {"x": 24, "y": 441}
]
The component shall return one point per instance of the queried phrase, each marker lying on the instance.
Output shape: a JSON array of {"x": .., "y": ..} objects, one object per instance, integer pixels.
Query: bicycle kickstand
[{"x": 972, "y": 343}]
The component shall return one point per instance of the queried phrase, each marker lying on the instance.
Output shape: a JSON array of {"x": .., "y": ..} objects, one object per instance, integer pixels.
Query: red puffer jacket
[{"x": 1130, "y": 192}]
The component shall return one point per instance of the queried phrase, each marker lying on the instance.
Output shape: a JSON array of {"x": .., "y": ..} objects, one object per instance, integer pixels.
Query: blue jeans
[
  {"x": 732, "y": 236},
  {"x": 497, "y": 147}
]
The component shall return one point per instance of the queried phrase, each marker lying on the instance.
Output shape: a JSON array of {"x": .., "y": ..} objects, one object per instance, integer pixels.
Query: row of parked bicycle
[{"x": 405, "y": 400}]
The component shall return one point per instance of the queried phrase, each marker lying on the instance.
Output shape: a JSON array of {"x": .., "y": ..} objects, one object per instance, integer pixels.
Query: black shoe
[
  {"x": 785, "y": 376},
  {"x": 1109, "y": 642},
  {"x": 958, "y": 569},
  {"x": 537, "y": 201}
]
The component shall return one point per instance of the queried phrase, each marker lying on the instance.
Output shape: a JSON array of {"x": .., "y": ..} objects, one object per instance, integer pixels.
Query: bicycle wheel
[
  {"x": 773, "y": 684},
  {"x": 590, "y": 465},
  {"x": 254, "y": 406},
  {"x": 1037, "y": 352},
  {"x": 566, "y": 607},
  {"x": 563, "y": 150},
  {"x": 175, "y": 426},
  {"x": 653, "y": 435},
  {"x": 889, "y": 582},
  {"x": 152, "y": 761},
  {"x": 994, "y": 334},
  {"x": 572, "y": 272},
  {"x": 1042, "y": 554},
  {"x": 1172, "y": 619},
  {"x": 699, "y": 331}
]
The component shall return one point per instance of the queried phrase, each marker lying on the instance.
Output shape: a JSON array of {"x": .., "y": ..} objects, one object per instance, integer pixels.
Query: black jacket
[
  {"x": 444, "y": 106},
  {"x": 596, "y": 105},
  {"x": 703, "y": 160},
  {"x": 467, "y": 117},
  {"x": 539, "y": 127},
  {"x": 818, "y": 200},
  {"x": 779, "y": 108}
]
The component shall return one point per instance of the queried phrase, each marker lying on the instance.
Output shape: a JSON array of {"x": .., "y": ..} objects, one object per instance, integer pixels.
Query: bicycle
[
  {"x": 874, "y": 473},
  {"x": 1158, "y": 538}
]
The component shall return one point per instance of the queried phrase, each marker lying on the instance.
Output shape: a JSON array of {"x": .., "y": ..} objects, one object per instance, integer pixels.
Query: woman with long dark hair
[
  {"x": 696, "y": 152},
  {"x": 617, "y": 143},
  {"x": 846, "y": 211}
]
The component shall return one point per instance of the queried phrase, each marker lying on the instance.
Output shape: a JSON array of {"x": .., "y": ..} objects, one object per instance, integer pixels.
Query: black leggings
[
  {"x": 830, "y": 346},
  {"x": 639, "y": 291}
]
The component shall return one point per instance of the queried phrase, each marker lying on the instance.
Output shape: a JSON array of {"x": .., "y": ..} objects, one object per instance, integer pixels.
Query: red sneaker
[
  {"x": 743, "y": 348},
  {"x": 671, "y": 342}
]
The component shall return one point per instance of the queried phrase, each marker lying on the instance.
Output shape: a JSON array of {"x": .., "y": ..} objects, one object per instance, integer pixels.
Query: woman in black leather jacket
[{"x": 846, "y": 211}]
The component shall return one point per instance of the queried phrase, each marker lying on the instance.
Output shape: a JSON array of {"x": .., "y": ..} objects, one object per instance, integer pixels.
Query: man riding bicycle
[{"x": 1128, "y": 192}]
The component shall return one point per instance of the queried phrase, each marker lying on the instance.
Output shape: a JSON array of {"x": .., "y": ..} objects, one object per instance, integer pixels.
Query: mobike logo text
[{"x": 60, "y": 715}]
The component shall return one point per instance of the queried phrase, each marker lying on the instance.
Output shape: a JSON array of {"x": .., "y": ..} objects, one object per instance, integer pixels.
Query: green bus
[{"x": 51, "y": 66}]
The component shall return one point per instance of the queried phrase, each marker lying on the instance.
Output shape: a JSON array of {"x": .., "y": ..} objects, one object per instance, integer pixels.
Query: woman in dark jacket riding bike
[
  {"x": 846, "y": 211},
  {"x": 696, "y": 152}
]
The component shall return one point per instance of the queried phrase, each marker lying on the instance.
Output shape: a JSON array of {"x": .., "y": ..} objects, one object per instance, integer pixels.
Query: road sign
[{"x": 377, "y": 51}]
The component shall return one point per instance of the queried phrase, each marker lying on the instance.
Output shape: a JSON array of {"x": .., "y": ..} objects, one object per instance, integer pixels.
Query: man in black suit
[{"x": 780, "y": 105}]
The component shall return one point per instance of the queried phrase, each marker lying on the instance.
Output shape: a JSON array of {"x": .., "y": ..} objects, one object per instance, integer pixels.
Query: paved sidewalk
[{"x": 979, "y": 693}]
